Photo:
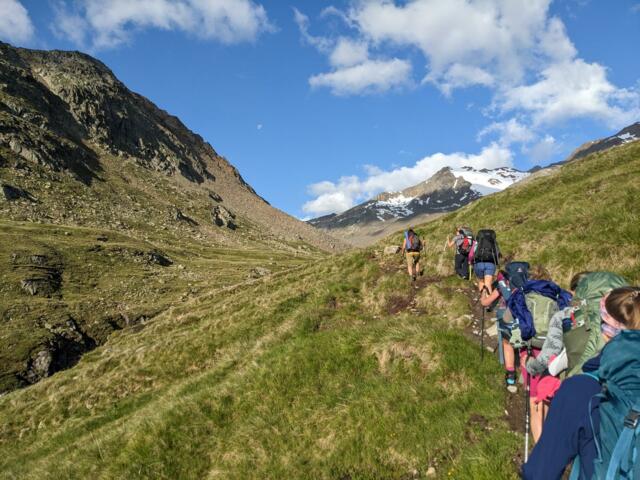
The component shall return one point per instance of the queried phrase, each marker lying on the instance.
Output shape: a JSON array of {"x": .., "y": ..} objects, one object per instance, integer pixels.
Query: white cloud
[
  {"x": 347, "y": 191},
  {"x": 573, "y": 89},
  {"x": 497, "y": 44},
  {"x": 15, "y": 23},
  {"x": 458, "y": 76},
  {"x": 491, "y": 35},
  {"x": 348, "y": 52},
  {"x": 543, "y": 150},
  {"x": 371, "y": 76},
  {"x": 108, "y": 23},
  {"x": 323, "y": 44},
  {"x": 509, "y": 132},
  {"x": 259, "y": 126}
]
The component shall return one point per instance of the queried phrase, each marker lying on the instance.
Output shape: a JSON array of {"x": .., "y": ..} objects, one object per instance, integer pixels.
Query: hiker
[
  {"x": 590, "y": 412},
  {"x": 570, "y": 326},
  {"x": 531, "y": 308},
  {"x": 514, "y": 275},
  {"x": 484, "y": 255},
  {"x": 463, "y": 241},
  {"x": 411, "y": 248}
]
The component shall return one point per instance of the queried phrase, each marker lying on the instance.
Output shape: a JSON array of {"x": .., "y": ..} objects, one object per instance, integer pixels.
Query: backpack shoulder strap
[
  {"x": 575, "y": 469},
  {"x": 622, "y": 459}
]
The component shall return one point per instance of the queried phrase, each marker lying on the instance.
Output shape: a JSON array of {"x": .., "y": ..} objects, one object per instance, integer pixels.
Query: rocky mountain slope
[
  {"x": 445, "y": 191},
  {"x": 111, "y": 210}
]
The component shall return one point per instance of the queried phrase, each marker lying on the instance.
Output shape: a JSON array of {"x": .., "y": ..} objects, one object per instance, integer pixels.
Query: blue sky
[{"x": 321, "y": 104}]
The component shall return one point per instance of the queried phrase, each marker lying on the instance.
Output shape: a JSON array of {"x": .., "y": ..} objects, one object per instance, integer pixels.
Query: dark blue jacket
[
  {"x": 518, "y": 305},
  {"x": 567, "y": 431}
]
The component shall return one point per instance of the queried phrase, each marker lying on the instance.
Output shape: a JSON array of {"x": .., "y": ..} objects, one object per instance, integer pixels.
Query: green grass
[
  {"x": 306, "y": 373},
  {"x": 290, "y": 377}
]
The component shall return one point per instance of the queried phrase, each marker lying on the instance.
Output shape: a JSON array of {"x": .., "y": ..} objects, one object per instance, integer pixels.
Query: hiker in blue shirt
[{"x": 582, "y": 421}]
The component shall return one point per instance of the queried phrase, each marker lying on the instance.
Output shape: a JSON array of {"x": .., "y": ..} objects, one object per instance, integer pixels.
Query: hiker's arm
[
  {"x": 450, "y": 242},
  {"x": 404, "y": 246},
  {"x": 489, "y": 299},
  {"x": 552, "y": 345}
]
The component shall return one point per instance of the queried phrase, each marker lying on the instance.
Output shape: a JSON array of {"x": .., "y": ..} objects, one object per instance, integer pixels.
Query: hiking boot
[{"x": 510, "y": 381}]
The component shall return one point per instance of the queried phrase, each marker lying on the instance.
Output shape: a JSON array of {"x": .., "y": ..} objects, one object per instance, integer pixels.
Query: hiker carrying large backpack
[
  {"x": 463, "y": 243},
  {"x": 570, "y": 330},
  {"x": 514, "y": 275},
  {"x": 594, "y": 416},
  {"x": 531, "y": 307},
  {"x": 411, "y": 248},
  {"x": 485, "y": 255}
]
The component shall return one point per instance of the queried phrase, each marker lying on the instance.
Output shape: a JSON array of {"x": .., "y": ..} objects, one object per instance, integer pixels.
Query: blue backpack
[
  {"x": 413, "y": 242},
  {"x": 517, "y": 273},
  {"x": 618, "y": 444}
]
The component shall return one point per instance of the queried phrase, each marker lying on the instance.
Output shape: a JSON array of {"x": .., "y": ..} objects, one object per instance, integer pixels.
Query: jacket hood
[{"x": 620, "y": 364}]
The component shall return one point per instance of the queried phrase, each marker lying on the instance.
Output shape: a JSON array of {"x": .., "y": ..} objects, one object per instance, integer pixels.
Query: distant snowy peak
[
  {"x": 445, "y": 191},
  {"x": 485, "y": 181}
]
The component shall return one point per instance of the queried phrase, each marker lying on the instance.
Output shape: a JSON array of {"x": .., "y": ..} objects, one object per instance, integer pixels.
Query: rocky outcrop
[
  {"x": 54, "y": 103},
  {"x": 223, "y": 217},
  {"x": 181, "y": 217},
  {"x": 42, "y": 273},
  {"x": 391, "y": 249},
  {"x": 12, "y": 193},
  {"x": 259, "y": 272}
]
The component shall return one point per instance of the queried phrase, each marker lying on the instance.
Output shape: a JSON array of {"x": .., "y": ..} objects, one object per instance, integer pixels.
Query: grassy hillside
[
  {"x": 309, "y": 374},
  {"x": 333, "y": 369},
  {"x": 585, "y": 215}
]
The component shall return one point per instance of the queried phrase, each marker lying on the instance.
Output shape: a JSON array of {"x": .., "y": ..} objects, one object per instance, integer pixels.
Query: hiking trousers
[{"x": 462, "y": 265}]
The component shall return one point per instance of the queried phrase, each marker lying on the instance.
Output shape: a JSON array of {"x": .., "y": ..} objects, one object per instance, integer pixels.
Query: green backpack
[
  {"x": 542, "y": 309},
  {"x": 584, "y": 340}
]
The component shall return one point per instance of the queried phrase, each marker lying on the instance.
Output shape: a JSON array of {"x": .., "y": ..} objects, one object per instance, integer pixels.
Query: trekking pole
[
  {"x": 527, "y": 408},
  {"x": 482, "y": 337}
]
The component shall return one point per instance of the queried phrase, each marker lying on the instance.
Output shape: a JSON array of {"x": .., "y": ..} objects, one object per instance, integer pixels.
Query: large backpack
[
  {"x": 486, "y": 247},
  {"x": 413, "y": 242},
  {"x": 619, "y": 439},
  {"x": 618, "y": 443},
  {"x": 467, "y": 241},
  {"x": 582, "y": 339},
  {"x": 532, "y": 307},
  {"x": 517, "y": 273}
]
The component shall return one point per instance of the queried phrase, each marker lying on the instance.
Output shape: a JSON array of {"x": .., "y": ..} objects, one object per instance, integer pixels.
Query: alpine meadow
[{"x": 160, "y": 318}]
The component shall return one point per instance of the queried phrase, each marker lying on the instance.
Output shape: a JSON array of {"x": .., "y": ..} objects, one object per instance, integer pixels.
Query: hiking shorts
[
  {"x": 413, "y": 258},
  {"x": 505, "y": 329},
  {"x": 535, "y": 379},
  {"x": 482, "y": 269}
]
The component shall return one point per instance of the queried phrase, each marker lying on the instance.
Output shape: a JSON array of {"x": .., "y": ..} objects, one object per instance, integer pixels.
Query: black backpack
[{"x": 487, "y": 250}]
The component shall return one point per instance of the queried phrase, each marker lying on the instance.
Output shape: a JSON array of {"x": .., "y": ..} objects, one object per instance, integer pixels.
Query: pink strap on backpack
[{"x": 472, "y": 251}]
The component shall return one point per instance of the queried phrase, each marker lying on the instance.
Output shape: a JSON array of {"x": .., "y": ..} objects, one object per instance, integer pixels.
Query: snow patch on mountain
[{"x": 486, "y": 182}]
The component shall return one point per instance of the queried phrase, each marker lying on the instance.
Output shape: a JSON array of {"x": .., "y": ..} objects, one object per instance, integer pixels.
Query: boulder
[
  {"x": 39, "y": 366},
  {"x": 215, "y": 197},
  {"x": 12, "y": 193},
  {"x": 391, "y": 250},
  {"x": 181, "y": 217},
  {"x": 223, "y": 217},
  {"x": 259, "y": 272},
  {"x": 158, "y": 258}
]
